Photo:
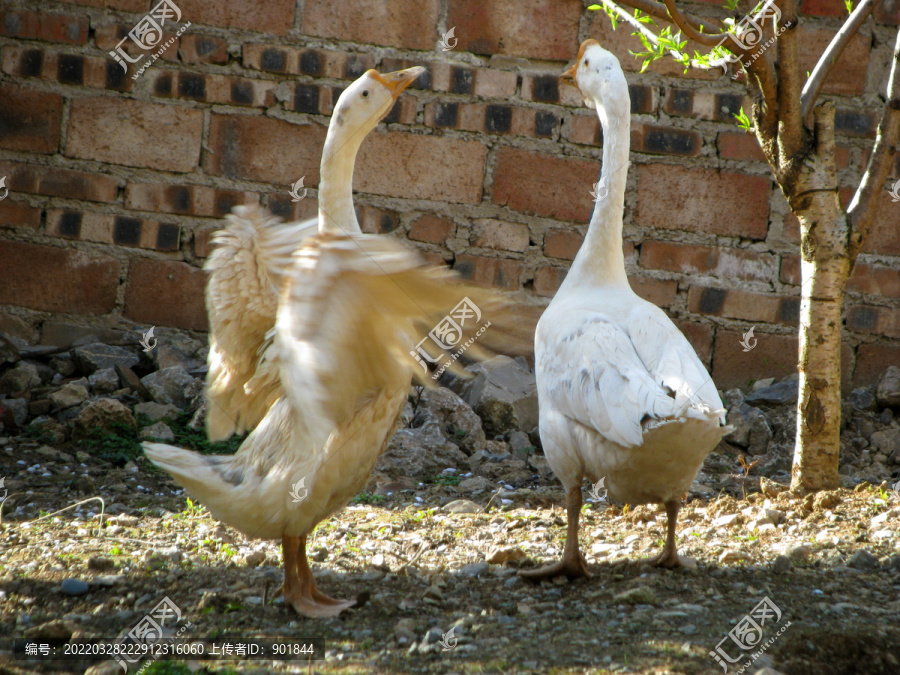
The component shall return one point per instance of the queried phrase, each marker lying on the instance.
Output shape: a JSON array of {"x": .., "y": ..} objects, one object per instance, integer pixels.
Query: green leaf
[
  {"x": 594, "y": 8},
  {"x": 849, "y": 5},
  {"x": 743, "y": 121}
]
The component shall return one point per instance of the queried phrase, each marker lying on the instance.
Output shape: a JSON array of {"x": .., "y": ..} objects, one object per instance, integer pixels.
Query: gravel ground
[{"x": 830, "y": 563}]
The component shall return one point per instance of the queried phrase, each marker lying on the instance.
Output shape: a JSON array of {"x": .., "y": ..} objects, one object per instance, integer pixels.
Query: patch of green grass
[
  {"x": 195, "y": 439},
  {"x": 445, "y": 479},
  {"x": 117, "y": 444},
  {"x": 39, "y": 434},
  {"x": 366, "y": 498}
]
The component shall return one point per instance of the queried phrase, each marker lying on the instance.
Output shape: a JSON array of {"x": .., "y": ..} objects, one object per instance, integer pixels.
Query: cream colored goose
[
  {"x": 253, "y": 256},
  {"x": 622, "y": 395}
]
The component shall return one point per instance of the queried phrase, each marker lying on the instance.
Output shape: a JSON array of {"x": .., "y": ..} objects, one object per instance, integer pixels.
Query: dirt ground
[{"x": 829, "y": 563}]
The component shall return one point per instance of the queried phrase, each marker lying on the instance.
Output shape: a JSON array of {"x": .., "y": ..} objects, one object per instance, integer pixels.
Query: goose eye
[
  {"x": 586, "y": 63},
  {"x": 365, "y": 93}
]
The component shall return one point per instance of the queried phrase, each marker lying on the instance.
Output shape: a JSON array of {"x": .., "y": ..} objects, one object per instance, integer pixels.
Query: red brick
[
  {"x": 273, "y": 16},
  {"x": 135, "y": 133},
  {"x": 122, "y": 230},
  {"x": 166, "y": 293},
  {"x": 583, "y": 128},
  {"x": 400, "y": 23},
  {"x": 884, "y": 237},
  {"x": 562, "y": 244},
  {"x": 872, "y": 319},
  {"x": 194, "y": 200},
  {"x": 678, "y": 198},
  {"x": 30, "y": 119},
  {"x": 397, "y": 164},
  {"x": 848, "y": 76},
  {"x": 498, "y": 272},
  {"x": 661, "y": 292},
  {"x": 531, "y": 183},
  {"x": 252, "y": 147},
  {"x": 790, "y": 270},
  {"x": 773, "y": 356},
  {"x": 539, "y": 29},
  {"x": 195, "y": 48},
  {"x": 719, "y": 261},
  {"x": 56, "y": 279},
  {"x": 665, "y": 140},
  {"x": 497, "y": 234},
  {"x": 737, "y": 304},
  {"x": 548, "y": 279},
  {"x": 700, "y": 336},
  {"x": 871, "y": 361},
  {"x": 203, "y": 240},
  {"x": 432, "y": 229},
  {"x": 491, "y": 83},
  {"x": 875, "y": 280},
  {"x": 739, "y": 145},
  {"x": 373, "y": 220},
  {"x": 887, "y": 13},
  {"x": 19, "y": 214},
  {"x": 135, "y": 6},
  {"x": 56, "y": 182},
  {"x": 42, "y": 26},
  {"x": 824, "y": 8}
]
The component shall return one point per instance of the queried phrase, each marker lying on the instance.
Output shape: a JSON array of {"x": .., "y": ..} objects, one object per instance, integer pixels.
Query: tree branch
[
  {"x": 861, "y": 211},
  {"x": 787, "y": 68},
  {"x": 679, "y": 19},
  {"x": 660, "y": 11},
  {"x": 830, "y": 56}
]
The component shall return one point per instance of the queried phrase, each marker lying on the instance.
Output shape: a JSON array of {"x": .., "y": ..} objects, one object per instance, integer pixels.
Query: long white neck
[
  {"x": 600, "y": 261},
  {"x": 336, "y": 212}
]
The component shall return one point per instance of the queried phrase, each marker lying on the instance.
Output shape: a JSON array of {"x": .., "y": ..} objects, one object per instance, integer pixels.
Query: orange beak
[
  {"x": 568, "y": 75},
  {"x": 398, "y": 80}
]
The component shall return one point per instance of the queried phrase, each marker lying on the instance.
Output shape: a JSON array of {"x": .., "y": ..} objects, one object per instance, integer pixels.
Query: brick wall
[{"x": 115, "y": 184}]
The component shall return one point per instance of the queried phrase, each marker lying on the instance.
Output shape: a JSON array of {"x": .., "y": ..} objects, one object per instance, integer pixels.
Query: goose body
[{"x": 622, "y": 394}]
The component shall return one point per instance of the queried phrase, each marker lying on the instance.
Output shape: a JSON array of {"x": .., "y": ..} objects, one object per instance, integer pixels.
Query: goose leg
[
  {"x": 299, "y": 587},
  {"x": 573, "y": 564},
  {"x": 669, "y": 556}
]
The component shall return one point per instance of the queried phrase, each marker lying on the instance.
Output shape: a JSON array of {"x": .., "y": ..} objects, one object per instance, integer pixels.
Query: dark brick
[
  {"x": 423, "y": 81},
  {"x": 167, "y": 237},
  {"x": 31, "y": 63},
  {"x": 225, "y": 201},
  {"x": 446, "y": 114},
  {"x": 127, "y": 231},
  {"x": 727, "y": 106},
  {"x": 394, "y": 114},
  {"x": 241, "y": 92},
  {"x": 545, "y": 88},
  {"x": 671, "y": 142},
  {"x": 498, "y": 118},
  {"x": 789, "y": 310},
  {"x": 179, "y": 198},
  {"x": 163, "y": 85},
  {"x": 461, "y": 80},
  {"x": 681, "y": 101},
  {"x": 273, "y": 60},
  {"x": 854, "y": 123},
  {"x": 70, "y": 224},
  {"x": 336, "y": 93},
  {"x": 641, "y": 98},
  {"x": 281, "y": 207},
  {"x": 712, "y": 299},
  {"x": 115, "y": 76},
  {"x": 862, "y": 318},
  {"x": 192, "y": 86},
  {"x": 311, "y": 63},
  {"x": 545, "y": 123},
  {"x": 354, "y": 67},
  {"x": 306, "y": 98},
  {"x": 70, "y": 69},
  {"x": 204, "y": 46}
]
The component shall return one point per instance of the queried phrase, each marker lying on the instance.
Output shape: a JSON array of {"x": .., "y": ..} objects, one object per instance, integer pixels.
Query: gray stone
[
  {"x": 98, "y": 356},
  {"x": 475, "y": 569},
  {"x": 887, "y": 442},
  {"x": 74, "y": 587},
  {"x": 420, "y": 453},
  {"x": 19, "y": 378},
  {"x": 763, "y": 383},
  {"x": 19, "y": 409},
  {"x": 461, "y": 506},
  {"x": 100, "y": 564},
  {"x": 888, "y": 392},
  {"x": 156, "y": 411},
  {"x": 68, "y": 395},
  {"x": 55, "y": 432},
  {"x": 782, "y": 393},
  {"x": 519, "y": 442},
  {"x": 104, "y": 381},
  {"x": 751, "y": 430},
  {"x": 863, "y": 560},
  {"x": 64, "y": 365},
  {"x": 9, "y": 352},
  {"x": 458, "y": 421},
  {"x": 502, "y": 393},
  {"x": 172, "y": 385},
  {"x": 104, "y": 414},
  {"x": 642, "y": 595},
  {"x": 475, "y": 485},
  {"x": 175, "y": 348},
  {"x": 782, "y": 564},
  {"x": 158, "y": 432},
  {"x": 862, "y": 399},
  {"x": 132, "y": 381}
]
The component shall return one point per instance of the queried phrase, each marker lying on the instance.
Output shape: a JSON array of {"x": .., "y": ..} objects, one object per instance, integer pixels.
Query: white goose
[
  {"x": 253, "y": 256},
  {"x": 622, "y": 395}
]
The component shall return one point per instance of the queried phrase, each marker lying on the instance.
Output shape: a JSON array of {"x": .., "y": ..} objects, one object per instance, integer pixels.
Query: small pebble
[{"x": 75, "y": 587}]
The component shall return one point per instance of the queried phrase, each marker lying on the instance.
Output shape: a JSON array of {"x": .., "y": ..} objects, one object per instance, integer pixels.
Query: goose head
[
  {"x": 365, "y": 102},
  {"x": 598, "y": 76}
]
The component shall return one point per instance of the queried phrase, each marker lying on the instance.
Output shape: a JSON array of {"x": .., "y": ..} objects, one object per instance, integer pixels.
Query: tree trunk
[{"x": 825, "y": 267}]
